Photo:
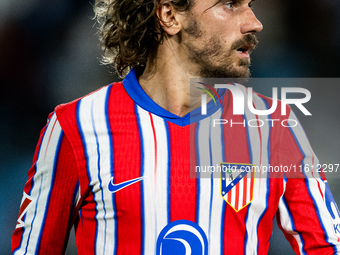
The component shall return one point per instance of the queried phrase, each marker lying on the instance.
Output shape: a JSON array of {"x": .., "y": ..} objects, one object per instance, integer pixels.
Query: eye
[
  {"x": 230, "y": 5},
  {"x": 251, "y": 4}
]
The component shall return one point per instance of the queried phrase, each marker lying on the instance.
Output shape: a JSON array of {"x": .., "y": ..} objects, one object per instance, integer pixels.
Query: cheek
[
  {"x": 224, "y": 17},
  {"x": 226, "y": 33},
  {"x": 224, "y": 22}
]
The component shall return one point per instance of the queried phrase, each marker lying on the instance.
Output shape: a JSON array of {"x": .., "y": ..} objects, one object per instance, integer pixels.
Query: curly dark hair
[{"x": 130, "y": 29}]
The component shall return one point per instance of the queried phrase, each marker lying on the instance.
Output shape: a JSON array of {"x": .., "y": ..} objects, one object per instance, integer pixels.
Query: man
[{"x": 116, "y": 163}]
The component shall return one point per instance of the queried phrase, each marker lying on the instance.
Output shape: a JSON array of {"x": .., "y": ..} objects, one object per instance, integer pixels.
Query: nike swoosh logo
[{"x": 116, "y": 187}]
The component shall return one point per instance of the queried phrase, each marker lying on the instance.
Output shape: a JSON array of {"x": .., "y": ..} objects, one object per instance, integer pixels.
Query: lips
[
  {"x": 247, "y": 49},
  {"x": 245, "y": 45}
]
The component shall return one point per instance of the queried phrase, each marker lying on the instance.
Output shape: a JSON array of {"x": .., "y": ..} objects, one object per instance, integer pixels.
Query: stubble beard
[{"x": 211, "y": 60}]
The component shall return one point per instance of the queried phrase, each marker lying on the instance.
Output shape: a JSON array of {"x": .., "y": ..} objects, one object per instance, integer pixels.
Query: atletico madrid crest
[{"x": 237, "y": 184}]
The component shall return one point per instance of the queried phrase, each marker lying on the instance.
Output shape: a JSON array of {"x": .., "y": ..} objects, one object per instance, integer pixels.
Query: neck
[{"x": 166, "y": 79}]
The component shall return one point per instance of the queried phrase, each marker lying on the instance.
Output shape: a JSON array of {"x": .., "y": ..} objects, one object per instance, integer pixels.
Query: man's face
[{"x": 220, "y": 36}]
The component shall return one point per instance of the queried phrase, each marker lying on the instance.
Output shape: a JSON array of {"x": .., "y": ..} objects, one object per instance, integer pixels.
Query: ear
[{"x": 168, "y": 18}]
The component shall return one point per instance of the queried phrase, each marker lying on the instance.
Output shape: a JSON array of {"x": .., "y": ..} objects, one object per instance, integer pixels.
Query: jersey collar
[{"x": 139, "y": 96}]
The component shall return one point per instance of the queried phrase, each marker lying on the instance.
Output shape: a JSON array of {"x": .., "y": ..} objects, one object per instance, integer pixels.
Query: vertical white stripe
[
  {"x": 240, "y": 197},
  {"x": 204, "y": 104},
  {"x": 218, "y": 201},
  {"x": 209, "y": 138},
  {"x": 161, "y": 191},
  {"x": 148, "y": 181},
  {"x": 286, "y": 223},
  {"x": 88, "y": 131},
  {"x": 249, "y": 191},
  {"x": 258, "y": 205},
  {"x": 100, "y": 121},
  {"x": 93, "y": 122},
  {"x": 204, "y": 181},
  {"x": 42, "y": 186},
  {"x": 78, "y": 197},
  {"x": 233, "y": 197}
]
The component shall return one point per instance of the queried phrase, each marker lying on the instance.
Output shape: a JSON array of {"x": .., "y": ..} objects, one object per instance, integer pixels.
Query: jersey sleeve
[
  {"x": 48, "y": 204},
  {"x": 307, "y": 214}
]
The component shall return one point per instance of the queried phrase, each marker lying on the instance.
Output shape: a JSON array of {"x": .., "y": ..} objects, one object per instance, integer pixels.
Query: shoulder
[
  {"x": 79, "y": 116},
  {"x": 69, "y": 109}
]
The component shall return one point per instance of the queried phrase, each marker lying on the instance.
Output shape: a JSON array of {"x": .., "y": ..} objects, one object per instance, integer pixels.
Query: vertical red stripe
[
  {"x": 230, "y": 194},
  {"x": 235, "y": 137},
  {"x": 245, "y": 190},
  {"x": 86, "y": 226},
  {"x": 193, "y": 157},
  {"x": 85, "y": 233},
  {"x": 234, "y": 231},
  {"x": 237, "y": 195},
  {"x": 260, "y": 136},
  {"x": 251, "y": 188},
  {"x": 182, "y": 187},
  {"x": 69, "y": 124},
  {"x": 193, "y": 151},
  {"x": 155, "y": 143},
  {"x": 127, "y": 165},
  {"x": 266, "y": 222},
  {"x": 275, "y": 182}
]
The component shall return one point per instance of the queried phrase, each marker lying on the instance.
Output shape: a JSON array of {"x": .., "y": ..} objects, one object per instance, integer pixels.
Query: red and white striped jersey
[{"x": 117, "y": 166}]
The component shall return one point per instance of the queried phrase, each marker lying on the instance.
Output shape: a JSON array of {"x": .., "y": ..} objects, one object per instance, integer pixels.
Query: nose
[{"x": 250, "y": 23}]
